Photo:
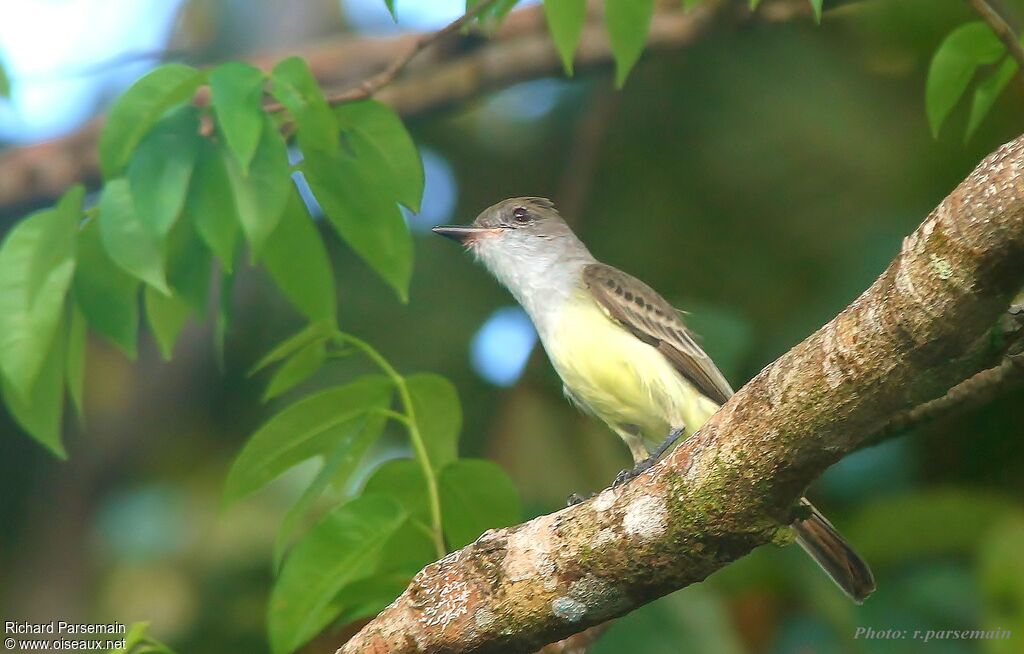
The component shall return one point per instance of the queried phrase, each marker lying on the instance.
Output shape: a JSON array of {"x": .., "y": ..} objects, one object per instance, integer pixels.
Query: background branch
[
  {"x": 906, "y": 340},
  {"x": 520, "y": 50},
  {"x": 368, "y": 87}
]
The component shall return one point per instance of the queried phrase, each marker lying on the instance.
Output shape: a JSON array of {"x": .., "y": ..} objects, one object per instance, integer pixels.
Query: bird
[{"x": 622, "y": 351}]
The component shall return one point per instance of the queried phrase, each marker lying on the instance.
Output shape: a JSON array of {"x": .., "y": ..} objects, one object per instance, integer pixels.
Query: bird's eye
[{"x": 521, "y": 215}]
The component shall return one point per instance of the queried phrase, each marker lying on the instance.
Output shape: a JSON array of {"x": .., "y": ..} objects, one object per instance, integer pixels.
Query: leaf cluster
[{"x": 365, "y": 547}]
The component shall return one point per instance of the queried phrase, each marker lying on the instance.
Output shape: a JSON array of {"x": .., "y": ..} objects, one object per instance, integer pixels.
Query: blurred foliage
[{"x": 760, "y": 180}]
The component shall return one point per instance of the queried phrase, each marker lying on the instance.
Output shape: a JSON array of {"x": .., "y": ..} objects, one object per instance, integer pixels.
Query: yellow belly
[{"x": 618, "y": 377}]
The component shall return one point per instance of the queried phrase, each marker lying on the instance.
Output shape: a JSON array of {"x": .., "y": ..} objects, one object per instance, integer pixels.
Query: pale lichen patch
[
  {"x": 568, "y": 609},
  {"x": 528, "y": 552},
  {"x": 646, "y": 517},
  {"x": 599, "y": 597},
  {"x": 941, "y": 267},
  {"x": 604, "y": 500},
  {"x": 604, "y": 537},
  {"x": 484, "y": 619},
  {"x": 834, "y": 374}
]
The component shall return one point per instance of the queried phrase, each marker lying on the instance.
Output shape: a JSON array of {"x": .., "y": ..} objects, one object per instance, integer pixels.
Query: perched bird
[{"x": 622, "y": 351}]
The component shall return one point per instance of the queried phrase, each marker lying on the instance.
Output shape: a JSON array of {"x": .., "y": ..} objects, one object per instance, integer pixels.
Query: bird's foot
[
  {"x": 670, "y": 440},
  {"x": 645, "y": 464},
  {"x": 634, "y": 472}
]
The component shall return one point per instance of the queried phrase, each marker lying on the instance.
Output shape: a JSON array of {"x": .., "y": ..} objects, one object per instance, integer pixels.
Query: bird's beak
[{"x": 460, "y": 233}]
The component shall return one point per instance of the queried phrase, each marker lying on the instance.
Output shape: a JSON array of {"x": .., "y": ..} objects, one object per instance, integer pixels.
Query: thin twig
[
  {"x": 577, "y": 643},
  {"x": 1002, "y": 30},
  {"x": 973, "y": 392},
  {"x": 369, "y": 86}
]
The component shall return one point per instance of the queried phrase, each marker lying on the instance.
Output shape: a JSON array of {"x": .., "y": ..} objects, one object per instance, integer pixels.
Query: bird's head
[
  {"x": 524, "y": 242},
  {"x": 519, "y": 228}
]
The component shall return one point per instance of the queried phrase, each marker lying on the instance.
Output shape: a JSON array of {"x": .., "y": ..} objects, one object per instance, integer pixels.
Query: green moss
[{"x": 783, "y": 536}]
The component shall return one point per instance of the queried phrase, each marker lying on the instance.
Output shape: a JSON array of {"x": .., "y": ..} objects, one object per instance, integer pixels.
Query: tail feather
[{"x": 835, "y": 556}]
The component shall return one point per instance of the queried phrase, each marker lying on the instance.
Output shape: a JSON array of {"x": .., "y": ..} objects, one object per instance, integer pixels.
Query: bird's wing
[{"x": 639, "y": 308}]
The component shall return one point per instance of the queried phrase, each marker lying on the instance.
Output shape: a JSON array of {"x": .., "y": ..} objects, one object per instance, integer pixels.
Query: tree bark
[{"x": 918, "y": 331}]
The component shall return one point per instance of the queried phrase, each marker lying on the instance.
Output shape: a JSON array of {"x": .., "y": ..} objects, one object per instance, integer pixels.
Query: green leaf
[
  {"x": 390, "y": 4},
  {"x": 189, "y": 267},
  {"x": 129, "y": 241},
  {"x": 339, "y": 464},
  {"x": 5, "y": 81},
  {"x": 565, "y": 22},
  {"x": 293, "y": 84},
  {"x": 987, "y": 92},
  {"x": 295, "y": 370},
  {"x": 304, "y": 429},
  {"x": 108, "y": 296},
  {"x": 166, "y": 315},
  {"x": 1000, "y": 571},
  {"x": 476, "y": 495},
  {"x": 236, "y": 90},
  {"x": 490, "y": 18},
  {"x": 343, "y": 548},
  {"x": 75, "y": 366},
  {"x": 314, "y": 332},
  {"x": 379, "y": 140},
  {"x": 627, "y": 22},
  {"x": 367, "y": 598},
  {"x": 135, "y": 636},
  {"x": 362, "y": 210},
  {"x": 37, "y": 263},
  {"x": 816, "y": 6},
  {"x": 437, "y": 413},
  {"x": 260, "y": 196},
  {"x": 753, "y": 3},
  {"x": 402, "y": 480},
  {"x": 953, "y": 65},
  {"x": 357, "y": 447},
  {"x": 296, "y": 258},
  {"x": 408, "y": 550},
  {"x": 39, "y": 411},
  {"x": 161, "y": 167},
  {"x": 211, "y": 207},
  {"x": 138, "y": 109},
  {"x": 225, "y": 312}
]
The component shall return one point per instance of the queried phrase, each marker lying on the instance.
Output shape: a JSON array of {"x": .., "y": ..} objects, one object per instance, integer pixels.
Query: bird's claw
[
  {"x": 634, "y": 472},
  {"x": 623, "y": 477}
]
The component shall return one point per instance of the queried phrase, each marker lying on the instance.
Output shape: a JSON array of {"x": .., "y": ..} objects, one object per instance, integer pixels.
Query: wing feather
[{"x": 649, "y": 317}]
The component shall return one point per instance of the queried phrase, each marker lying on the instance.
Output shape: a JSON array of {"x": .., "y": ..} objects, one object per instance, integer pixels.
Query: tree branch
[
  {"x": 520, "y": 50},
  {"x": 368, "y": 87},
  {"x": 731, "y": 487}
]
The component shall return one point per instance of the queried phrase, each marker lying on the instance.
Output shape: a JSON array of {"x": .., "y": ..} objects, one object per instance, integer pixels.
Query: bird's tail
[{"x": 835, "y": 556}]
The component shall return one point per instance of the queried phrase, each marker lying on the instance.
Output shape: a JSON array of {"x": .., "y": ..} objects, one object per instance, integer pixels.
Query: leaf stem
[
  {"x": 433, "y": 494},
  {"x": 394, "y": 415}
]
